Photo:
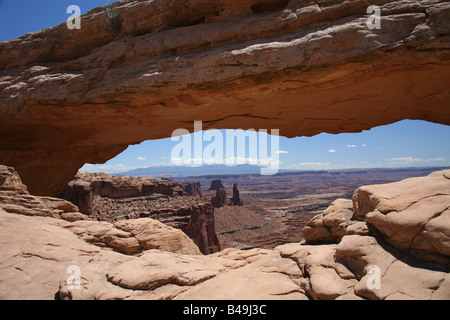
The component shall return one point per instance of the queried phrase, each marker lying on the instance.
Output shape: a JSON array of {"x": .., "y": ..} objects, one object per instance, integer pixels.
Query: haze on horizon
[{"x": 408, "y": 143}]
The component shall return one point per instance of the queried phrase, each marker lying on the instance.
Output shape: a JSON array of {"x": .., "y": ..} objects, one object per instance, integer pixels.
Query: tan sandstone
[{"x": 36, "y": 264}]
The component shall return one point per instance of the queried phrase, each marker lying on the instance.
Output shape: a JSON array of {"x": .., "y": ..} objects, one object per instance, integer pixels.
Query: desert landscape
[
  {"x": 276, "y": 208},
  {"x": 81, "y": 93},
  {"x": 242, "y": 211},
  {"x": 142, "y": 258}
]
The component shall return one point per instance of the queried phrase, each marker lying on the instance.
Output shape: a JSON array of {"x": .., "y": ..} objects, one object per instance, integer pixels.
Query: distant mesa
[{"x": 216, "y": 184}]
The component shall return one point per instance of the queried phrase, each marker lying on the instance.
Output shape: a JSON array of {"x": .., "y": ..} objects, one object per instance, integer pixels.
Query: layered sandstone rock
[
  {"x": 14, "y": 198},
  {"x": 216, "y": 184},
  {"x": 10, "y": 182},
  {"x": 111, "y": 198},
  {"x": 83, "y": 188},
  {"x": 236, "y": 199},
  {"x": 334, "y": 223},
  {"x": 413, "y": 215},
  {"x": 70, "y": 97},
  {"x": 129, "y": 236},
  {"x": 39, "y": 263},
  {"x": 135, "y": 236},
  {"x": 192, "y": 189},
  {"x": 220, "y": 198}
]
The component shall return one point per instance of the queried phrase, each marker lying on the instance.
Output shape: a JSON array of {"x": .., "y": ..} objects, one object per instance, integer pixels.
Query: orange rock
[{"x": 70, "y": 97}]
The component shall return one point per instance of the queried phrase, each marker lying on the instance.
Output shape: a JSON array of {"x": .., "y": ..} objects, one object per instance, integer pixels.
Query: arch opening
[{"x": 312, "y": 173}]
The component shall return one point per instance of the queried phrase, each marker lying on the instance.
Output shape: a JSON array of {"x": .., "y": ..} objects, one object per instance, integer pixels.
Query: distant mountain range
[
  {"x": 180, "y": 171},
  {"x": 220, "y": 169}
]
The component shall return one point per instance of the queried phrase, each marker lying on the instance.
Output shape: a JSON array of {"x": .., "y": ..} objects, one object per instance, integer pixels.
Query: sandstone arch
[{"x": 70, "y": 97}]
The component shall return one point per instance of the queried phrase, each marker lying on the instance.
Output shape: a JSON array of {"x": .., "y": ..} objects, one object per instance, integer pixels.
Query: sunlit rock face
[
  {"x": 115, "y": 198},
  {"x": 403, "y": 254},
  {"x": 70, "y": 97}
]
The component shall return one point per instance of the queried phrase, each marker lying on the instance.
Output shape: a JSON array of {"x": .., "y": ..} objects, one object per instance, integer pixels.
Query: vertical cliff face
[
  {"x": 113, "y": 198},
  {"x": 191, "y": 189},
  {"x": 236, "y": 199},
  {"x": 216, "y": 184},
  {"x": 219, "y": 199},
  {"x": 201, "y": 229}
]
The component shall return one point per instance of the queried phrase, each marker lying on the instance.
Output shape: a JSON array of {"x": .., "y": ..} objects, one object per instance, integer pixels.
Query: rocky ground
[
  {"x": 286, "y": 202},
  {"x": 390, "y": 242},
  {"x": 176, "y": 204}
]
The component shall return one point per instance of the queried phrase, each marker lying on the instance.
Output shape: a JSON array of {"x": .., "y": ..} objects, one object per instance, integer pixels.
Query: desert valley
[
  {"x": 270, "y": 210},
  {"x": 152, "y": 238}
]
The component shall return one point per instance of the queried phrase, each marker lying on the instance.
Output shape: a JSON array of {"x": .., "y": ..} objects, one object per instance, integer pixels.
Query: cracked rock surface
[{"x": 38, "y": 252}]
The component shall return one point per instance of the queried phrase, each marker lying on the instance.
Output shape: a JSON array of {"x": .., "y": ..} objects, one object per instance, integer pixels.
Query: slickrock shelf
[{"x": 144, "y": 259}]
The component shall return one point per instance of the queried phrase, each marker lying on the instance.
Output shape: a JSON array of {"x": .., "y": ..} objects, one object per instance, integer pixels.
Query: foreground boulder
[
  {"x": 135, "y": 236},
  {"x": 334, "y": 223},
  {"x": 412, "y": 215},
  {"x": 370, "y": 264},
  {"x": 111, "y": 198}
]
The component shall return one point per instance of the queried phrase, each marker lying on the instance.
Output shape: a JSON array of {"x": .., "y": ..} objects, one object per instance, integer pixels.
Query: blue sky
[
  {"x": 407, "y": 143},
  {"x": 18, "y": 17}
]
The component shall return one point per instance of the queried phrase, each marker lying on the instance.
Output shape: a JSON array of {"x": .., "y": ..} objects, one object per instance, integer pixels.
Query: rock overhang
[{"x": 304, "y": 69}]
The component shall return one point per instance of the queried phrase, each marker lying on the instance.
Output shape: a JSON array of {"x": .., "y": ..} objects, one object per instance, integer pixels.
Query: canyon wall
[
  {"x": 114, "y": 198},
  {"x": 70, "y": 97},
  {"x": 389, "y": 242}
]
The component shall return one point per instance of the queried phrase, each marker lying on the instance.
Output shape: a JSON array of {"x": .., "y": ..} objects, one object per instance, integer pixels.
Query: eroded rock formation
[
  {"x": 70, "y": 97},
  {"x": 411, "y": 215},
  {"x": 216, "y": 184},
  {"x": 112, "y": 198},
  {"x": 143, "y": 259},
  {"x": 220, "y": 198},
  {"x": 83, "y": 188},
  {"x": 192, "y": 189},
  {"x": 236, "y": 199},
  {"x": 134, "y": 236},
  {"x": 15, "y": 198}
]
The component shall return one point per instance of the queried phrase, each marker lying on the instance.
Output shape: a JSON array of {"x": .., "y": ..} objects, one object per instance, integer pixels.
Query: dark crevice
[
  {"x": 177, "y": 23},
  {"x": 269, "y": 6}
]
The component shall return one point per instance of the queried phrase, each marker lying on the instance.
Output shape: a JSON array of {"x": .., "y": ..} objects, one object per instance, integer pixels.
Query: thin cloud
[
  {"x": 408, "y": 159},
  {"x": 281, "y": 151},
  {"x": 141, "y": 158},
  {"x": 332, "y": 150},
  {"x": 309, "y": 165},
  {"x": 108, "y": 168},
  {"x": 411, "y": 159},
  {"x": 351, "y": 146}
]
